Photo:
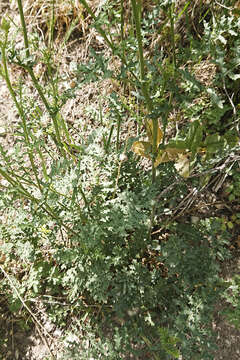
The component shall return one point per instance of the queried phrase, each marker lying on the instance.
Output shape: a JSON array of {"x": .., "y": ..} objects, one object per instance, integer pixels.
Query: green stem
[
  {"x": 137, "y": 19},
  {"x": 25, "y": 193},
  {"x": 21, "y": 113},
  {"x": 171, "y": 16},
  {"x": 99, "y": 29},
  {"x": 44, "y": 168},
  {"x": 108, "y": 42},
  {"x": 123, "y": 46},
  {"x": 26, "y": 44},
  {"x": 122, "y": 22},
  {"x": 52, "y": 113},
  {"x": 119, "y": 120},
  {"x": 136, "y": 14},
  {"x": 52, "y": 23}
]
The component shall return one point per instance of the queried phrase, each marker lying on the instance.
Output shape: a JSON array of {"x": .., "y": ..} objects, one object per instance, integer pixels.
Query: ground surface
[{"x": 228, "y": 337}]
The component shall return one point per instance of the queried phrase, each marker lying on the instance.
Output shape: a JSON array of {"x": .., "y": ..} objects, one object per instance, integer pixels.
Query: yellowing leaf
[
  {"x": 182, "y": 165},
  {"x": 169, "y": 154},
  {"x": 149, "y": 129},
  {"x": 162, "y": 157},
  {"x": 179, "y": 156},
  {"x": 142, "y": 148}
]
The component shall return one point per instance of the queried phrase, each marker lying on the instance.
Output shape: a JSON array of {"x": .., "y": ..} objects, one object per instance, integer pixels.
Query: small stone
[
  {"x": 57, "y": 333},
  {"x": 2, "y": 131},
  {"x": 48, "y": 326}
]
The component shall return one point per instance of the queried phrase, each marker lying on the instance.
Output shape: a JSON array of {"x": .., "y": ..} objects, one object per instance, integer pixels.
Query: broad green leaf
[
  {"x": 180, "y": 144},
  {"x": 214, "y": 143},
  {"x": 194, "y": 137},
  {"x": 142, "y": 148}
]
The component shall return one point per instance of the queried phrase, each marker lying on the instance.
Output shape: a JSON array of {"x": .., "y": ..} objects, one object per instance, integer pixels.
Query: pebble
[{"x": 2, "y": 131}]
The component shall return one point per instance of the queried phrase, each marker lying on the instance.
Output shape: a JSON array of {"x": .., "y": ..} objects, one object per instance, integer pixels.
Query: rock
[{"x": 3, "y": 131}]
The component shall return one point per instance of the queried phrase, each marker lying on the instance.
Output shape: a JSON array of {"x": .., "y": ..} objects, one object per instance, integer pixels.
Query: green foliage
[
  {"x": 233, "y": 189},
  {"x": 231, "y": 295},
  {"x": 103, "y": 273},
  {"x": 169, "y": 343},
  {"x": 78, "y": 220}
]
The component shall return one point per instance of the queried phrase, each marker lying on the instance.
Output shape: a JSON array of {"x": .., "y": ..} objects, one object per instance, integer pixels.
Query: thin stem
[
  {"x": 119, "y": 120},
  {"x": 21, "y": 113},
  {"x": 52, "y": 23},
  {"x": 109, "y": 43},
  {"x": 51, "y": 112},
  {"x": 171, "y": 15},
  {"x": 35, "y": 81},
  {"x": 136, "y": 14},
  {"x": 123, "y": 46},
  {"x": 122, "y": 21},
  {"x": 26, "y": 43},
  {"x": 99, "y": 29},
  {"x": 25, "y": 193}
]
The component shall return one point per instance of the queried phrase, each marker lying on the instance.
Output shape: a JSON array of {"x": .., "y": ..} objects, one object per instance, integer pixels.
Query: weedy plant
[
  {"x": 231, "y": 295},
  {"x": 80, "y": 218}
]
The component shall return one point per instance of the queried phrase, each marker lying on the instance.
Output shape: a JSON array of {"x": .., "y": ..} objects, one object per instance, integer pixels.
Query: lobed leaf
[
  {"x": 142, "y": 148},
  {"x": 166, "y": 155}
]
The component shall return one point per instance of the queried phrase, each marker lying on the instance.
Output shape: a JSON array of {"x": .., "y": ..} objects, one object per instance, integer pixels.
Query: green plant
[
  {"x": 233, "y": 188},
  {"x": 119, "y": 274},
  {"x": 80, "y": 232},
  {"x": 231, "y": 295}
]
